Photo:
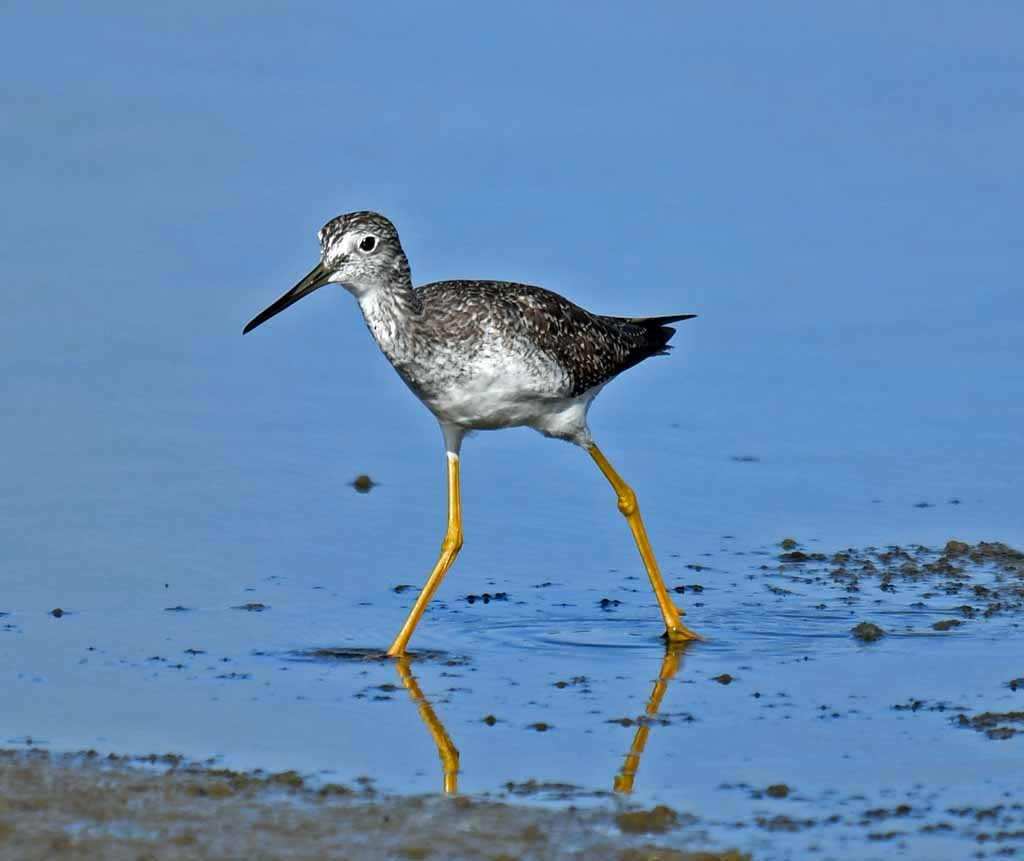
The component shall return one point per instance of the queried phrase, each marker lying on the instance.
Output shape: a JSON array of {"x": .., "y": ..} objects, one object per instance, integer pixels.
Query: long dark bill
[{"x": 316, "y": 278}]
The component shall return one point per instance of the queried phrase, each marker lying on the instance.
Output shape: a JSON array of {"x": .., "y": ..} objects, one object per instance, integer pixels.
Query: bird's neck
[{"x": 390, "y": 309}]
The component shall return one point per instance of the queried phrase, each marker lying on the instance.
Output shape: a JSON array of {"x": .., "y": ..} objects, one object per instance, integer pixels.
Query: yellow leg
[
  {"x": 675, "y": 630},
  {"x": 445, "y": 749},
  {"x": 669, "y": 667},
  {"x": 449, "y": 550}
]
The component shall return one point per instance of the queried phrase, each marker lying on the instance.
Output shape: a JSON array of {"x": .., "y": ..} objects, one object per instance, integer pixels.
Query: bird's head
[{"x": 358, "y": 250}]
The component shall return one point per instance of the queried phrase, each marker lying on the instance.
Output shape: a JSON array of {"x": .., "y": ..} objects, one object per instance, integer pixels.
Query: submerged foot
[{"x": 679, "y": 633}]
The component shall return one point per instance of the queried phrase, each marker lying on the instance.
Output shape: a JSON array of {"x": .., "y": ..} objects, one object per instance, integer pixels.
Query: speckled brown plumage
[{"x": 590, "y": 348}]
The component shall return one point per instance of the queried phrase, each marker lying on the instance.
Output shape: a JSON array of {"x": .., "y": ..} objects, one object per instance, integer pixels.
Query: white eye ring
[{"x": 368, "y": 243}]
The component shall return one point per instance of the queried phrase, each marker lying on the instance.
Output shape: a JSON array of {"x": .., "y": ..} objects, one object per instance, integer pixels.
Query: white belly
[{"x": 495, "y": 392}]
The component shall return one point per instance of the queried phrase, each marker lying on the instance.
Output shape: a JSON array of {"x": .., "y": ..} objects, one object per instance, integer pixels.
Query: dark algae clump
[
  {"x": 867, "y": 632},
  {"x": 657, "y": 820},
  {"x": 975, "y": 581},
  {"x": 363, "y": 483},
  {"x": 995, "y": 725}
]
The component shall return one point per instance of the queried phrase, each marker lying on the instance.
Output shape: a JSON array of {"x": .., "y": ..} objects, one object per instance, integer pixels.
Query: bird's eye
[{"x": 368, "y": 243}]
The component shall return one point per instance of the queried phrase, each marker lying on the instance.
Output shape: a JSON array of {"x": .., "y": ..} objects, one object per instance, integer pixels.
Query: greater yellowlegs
[{"x": 483, "y": 355}]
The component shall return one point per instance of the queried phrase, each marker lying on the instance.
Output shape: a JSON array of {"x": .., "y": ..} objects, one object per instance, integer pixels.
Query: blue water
[{"x": 836, "y": 192}]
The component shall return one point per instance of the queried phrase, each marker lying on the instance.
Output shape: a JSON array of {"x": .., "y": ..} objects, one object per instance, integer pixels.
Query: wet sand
[
  {"x": 89, "y": 807},
  {"x": 83, "y": 806}
]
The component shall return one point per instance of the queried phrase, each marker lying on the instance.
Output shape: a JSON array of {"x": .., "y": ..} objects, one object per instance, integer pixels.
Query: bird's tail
[
  {"x": 653, "y": 338},
  {"x": 657, "y": 332},
  {"x": 654, "y": 322}
]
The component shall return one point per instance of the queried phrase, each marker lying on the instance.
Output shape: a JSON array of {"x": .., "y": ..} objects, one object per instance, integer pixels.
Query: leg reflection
[
  {"x": 669, "y": 667},
  {"x": 446, "y": 750}
]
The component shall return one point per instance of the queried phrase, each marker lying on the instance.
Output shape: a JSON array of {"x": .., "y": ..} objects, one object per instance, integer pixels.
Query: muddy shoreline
[{"x": 86, "y": 806}]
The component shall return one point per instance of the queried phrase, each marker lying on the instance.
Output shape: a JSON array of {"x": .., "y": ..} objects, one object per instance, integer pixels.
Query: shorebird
[{"x": 483, "y": 355}]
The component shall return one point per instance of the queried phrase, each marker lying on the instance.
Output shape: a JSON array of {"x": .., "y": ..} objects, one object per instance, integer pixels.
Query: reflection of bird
[
  {"x": 448, "y": 752},
  {"x": 483, "y": 355},
  {"x": 624, "y": 779},
  {"x": 669, "y": 667}
]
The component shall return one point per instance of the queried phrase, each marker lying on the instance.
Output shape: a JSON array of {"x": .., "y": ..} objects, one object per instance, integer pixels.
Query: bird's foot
[{"x": 679, "y": 633}]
